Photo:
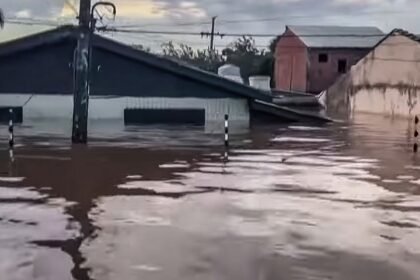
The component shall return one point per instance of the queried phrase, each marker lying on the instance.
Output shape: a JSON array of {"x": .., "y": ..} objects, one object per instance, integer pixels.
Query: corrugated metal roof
[{"x": 337, "y": 36}]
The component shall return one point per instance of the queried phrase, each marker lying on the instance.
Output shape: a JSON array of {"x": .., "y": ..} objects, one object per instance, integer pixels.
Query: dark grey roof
[
  {"x": 71, "y": 33},
  {"x": 337, "y": 36},
  {"x": 177, "y": 68}
]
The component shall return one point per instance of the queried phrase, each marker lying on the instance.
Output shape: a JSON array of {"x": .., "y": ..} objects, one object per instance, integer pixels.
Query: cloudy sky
[{"x": 234, "y": 16}]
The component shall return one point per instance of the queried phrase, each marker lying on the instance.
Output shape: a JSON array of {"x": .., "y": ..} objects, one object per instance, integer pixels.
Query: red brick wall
[
  {"x": 291, "y": 63},
  {"x": 322, "y": 75}
]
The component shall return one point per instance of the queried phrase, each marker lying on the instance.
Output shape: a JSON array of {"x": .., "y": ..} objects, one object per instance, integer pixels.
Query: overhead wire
[{"x": 173, "y": 32}]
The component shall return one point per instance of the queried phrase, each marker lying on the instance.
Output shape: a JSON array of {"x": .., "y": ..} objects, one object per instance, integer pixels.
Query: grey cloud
[
  {"x": 38, "y": 8},
  {"x": 338, "y": 12}
]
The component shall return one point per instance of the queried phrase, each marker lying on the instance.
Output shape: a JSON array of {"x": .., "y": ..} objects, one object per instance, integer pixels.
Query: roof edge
[
  {"x": 179, "y": 68},
  {"x": 401, "y": 32},
  {"x": 37, "y": 39}
]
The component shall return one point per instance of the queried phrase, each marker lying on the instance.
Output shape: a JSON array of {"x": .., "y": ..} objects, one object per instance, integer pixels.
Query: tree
[
  {"x": 204, "y": 59},
  {"x": 244, "y": 53},
  {"x": 2, "y": 19}
]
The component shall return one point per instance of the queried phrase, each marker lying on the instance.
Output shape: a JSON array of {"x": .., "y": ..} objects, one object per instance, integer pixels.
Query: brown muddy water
[{"x": 340, "y": 201}]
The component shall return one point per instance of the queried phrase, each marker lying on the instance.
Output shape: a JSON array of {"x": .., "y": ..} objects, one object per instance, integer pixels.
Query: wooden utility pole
[
  {"x": 213, "y": 21},
  {"x": 81, "y": 75}
]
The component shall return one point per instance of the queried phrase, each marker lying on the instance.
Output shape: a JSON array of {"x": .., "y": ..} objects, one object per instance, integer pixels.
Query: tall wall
[
  {"x": 385, "y": 82},
  {"x": 323, "y": 75},
  {"x": 291, "y": 63}
]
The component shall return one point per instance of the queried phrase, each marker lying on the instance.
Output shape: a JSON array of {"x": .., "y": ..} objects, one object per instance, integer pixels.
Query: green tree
[
  {"x": 242, "y": 53},
  {"x": 252, "y": 61},
  {"x": 204, "y": 59}
]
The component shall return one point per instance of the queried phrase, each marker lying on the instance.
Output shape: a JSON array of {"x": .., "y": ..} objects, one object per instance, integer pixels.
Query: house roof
[
  {"x": 71, "y": 33},
  {"x": 180, "y": 69},
  {"x": 337, "y": 36}
]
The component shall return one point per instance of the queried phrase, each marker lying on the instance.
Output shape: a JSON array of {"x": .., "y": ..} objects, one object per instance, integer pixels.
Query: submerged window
[
  {"x": 342, "y": 66},
  {"x": 165, "y": 116},
  {"x": 323, "y": 57}
]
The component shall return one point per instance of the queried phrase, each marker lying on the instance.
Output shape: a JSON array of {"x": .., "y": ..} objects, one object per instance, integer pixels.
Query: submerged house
[
  {"x": 386, "y": 82},
  {"x": 127, "y": 85},
  {"x": 310, "y": 58}
]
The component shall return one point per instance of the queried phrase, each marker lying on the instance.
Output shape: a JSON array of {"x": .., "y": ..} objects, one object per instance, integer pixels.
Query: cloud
[
  {"x": 168, "y": 14},
  {"x": 45, "y": 8}
]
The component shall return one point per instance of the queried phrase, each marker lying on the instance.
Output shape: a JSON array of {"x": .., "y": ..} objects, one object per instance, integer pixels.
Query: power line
[
  {"x": 171, "y": 32},
  {"x": 163, "y": 24},
  {"x": 277, "y": 18}
]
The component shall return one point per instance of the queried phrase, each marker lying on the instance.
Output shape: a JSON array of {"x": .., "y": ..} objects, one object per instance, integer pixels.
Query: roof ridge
[
  {"x": 321, "y": 25},
  {"x": 403, "y": 32}
]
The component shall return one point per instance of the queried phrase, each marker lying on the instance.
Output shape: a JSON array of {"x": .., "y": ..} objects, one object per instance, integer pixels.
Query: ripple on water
[{"x": 327, "y": 208}]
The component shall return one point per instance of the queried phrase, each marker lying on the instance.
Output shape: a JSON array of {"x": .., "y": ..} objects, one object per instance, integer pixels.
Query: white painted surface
[
  {"x": 230, "y": 72},
  {"x": 386, "y": 82},
  {"x": 260, "y": 82},
  {"x": 60, "y": 109},
  {"x": 391, "y": 103}
]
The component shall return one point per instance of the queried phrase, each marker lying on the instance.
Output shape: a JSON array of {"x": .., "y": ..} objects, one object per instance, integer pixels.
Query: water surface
[{"x": 339, "y": 201}]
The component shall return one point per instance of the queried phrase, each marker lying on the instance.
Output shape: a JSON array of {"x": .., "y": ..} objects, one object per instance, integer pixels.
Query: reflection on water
[{"x": 292, "y": 202}]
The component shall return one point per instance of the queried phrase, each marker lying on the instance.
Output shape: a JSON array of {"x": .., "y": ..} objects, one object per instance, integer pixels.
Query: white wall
[
  {"x": 390, "y": 103},
  {"x": 385, "y": 82},
  {"x": 60, "y": 108}
]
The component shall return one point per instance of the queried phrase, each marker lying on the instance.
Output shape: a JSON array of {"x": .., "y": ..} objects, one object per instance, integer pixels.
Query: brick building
[{"x": 311, "y": 58}]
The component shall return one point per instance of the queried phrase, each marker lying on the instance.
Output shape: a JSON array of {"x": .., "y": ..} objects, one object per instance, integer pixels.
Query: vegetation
[
  {"x": 252, "y": 61},
  {"x": 242, "y": 53},
  {"x": 207, "y": 60}
]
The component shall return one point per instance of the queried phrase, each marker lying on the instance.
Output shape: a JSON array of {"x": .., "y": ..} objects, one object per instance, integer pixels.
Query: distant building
[
  {"x": 127, "y": 86},
  {"x": 385, "y": 82},
  {"x": 311, "y": 58}
]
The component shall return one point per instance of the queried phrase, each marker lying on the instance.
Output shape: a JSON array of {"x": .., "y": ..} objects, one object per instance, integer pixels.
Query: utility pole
[
  {"x": 81, "y": 75},
  {"x": 213, "y": 21}
]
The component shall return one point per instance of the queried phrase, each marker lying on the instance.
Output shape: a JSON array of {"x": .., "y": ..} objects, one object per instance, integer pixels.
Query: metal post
[
  {"x": 226, "y": 130},
  {"x": 81, "y": 75},
  {"x": 226, "y": 153},
  {"x": 84, "y": 13},
  {"x": 416, "y": 134},
  {"x": 81, "y": 88},
  {"x": 213, "y": 21},
  {"x": 11, "y": 135}
]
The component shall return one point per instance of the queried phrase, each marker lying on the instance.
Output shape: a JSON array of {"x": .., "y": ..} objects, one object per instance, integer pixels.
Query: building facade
[
  {"x": 311, "y": 58},
  {"x": 127, "y": 86},
  {"x": 386, "y": 82}
]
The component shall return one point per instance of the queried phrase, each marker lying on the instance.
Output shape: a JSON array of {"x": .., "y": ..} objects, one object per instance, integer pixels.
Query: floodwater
[{"x": 340, "y": 201}]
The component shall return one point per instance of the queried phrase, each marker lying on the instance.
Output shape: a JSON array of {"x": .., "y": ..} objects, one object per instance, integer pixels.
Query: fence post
[
  {"x": 11, "y": 135},
  {"x": 416, "y": 134},
  {"x": 226, "y": 130},
  {"x": 226, "y": 155}
]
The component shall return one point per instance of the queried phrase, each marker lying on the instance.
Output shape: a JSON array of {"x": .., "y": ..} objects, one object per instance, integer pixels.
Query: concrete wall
[
  {"x": 102, "y": 110},
  {"x": 291, "y": 63},
  {"x": 386, "y": 82},
  {"x": 323, "y": 75}
]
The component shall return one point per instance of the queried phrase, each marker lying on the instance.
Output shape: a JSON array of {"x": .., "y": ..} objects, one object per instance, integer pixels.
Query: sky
[{"x": 233, "y": 16}]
